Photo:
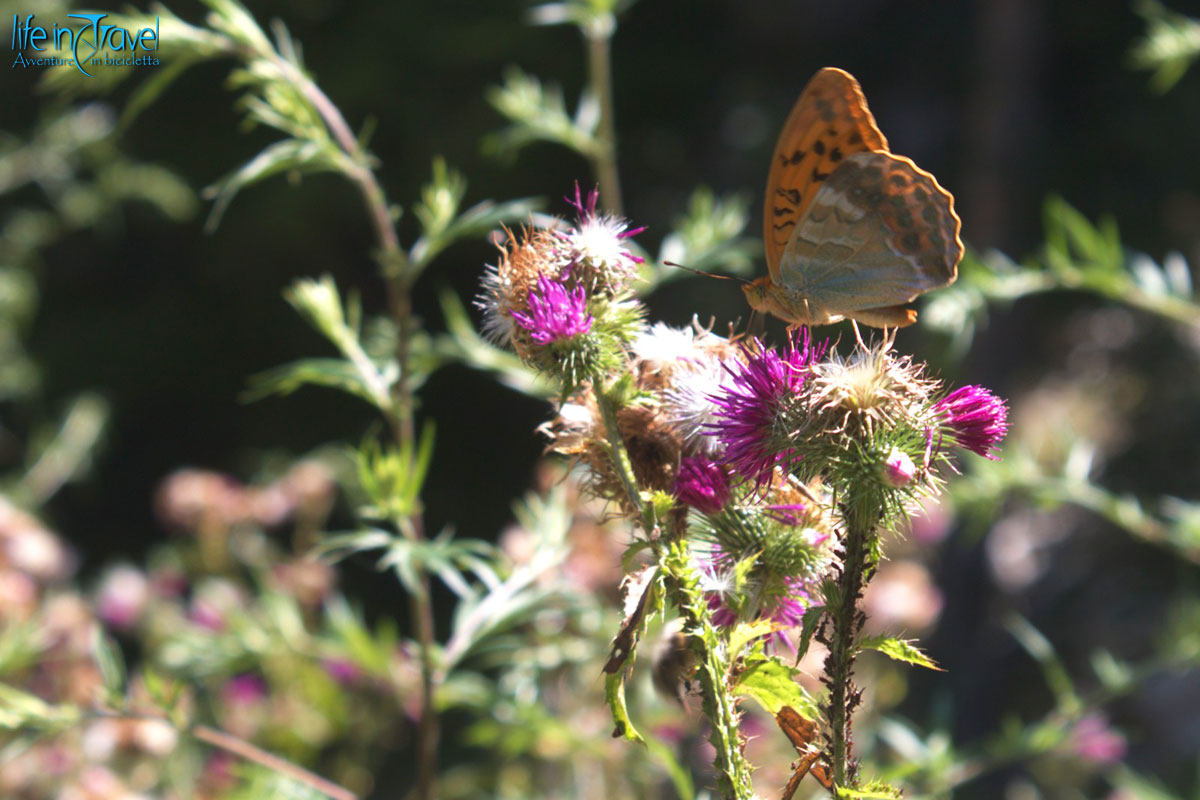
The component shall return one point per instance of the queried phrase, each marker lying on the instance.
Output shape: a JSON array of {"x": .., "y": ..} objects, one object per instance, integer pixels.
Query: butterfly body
[{"x": 851, "y": 230}]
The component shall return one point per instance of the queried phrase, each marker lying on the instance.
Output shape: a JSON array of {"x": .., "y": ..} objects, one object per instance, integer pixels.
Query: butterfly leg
[{"x": 858, "y": 334}]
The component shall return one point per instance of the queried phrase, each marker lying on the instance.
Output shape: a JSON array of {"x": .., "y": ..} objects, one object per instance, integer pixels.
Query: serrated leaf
[
  {"x": 746, "y": 632},
  {"x": 899, "y": 650},
  {"x": 773, "y": 685}
]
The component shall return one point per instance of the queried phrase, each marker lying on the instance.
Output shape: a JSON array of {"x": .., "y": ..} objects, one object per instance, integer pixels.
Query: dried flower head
[
  {"x": 524, "y": 257},
  {"x": 871, "y": 387}
]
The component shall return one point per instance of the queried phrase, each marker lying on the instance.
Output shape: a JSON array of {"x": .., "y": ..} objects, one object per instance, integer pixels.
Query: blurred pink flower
[
  {"x": 1093, "y": 740},
  {"x": 344, "y": 671},
  {"x": 28, "y": 546},
  {"x": 901, "y": 597},
  {"x": 243, "y": 690},
  {"x": 122, "y": 597}
]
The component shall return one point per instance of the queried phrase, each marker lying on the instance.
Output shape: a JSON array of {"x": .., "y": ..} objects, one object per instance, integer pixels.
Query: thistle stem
[
  {"x": 617, "y": 451},
  {"x": 604, "y": 160},
  {"x": 683, "y": 590},
  {"x": 857, "y": 564},
  {"x": 713, "y": 673}
]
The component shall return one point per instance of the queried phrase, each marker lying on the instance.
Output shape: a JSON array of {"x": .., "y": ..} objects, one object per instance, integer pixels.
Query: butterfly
[{"x": 851, "y": 230}]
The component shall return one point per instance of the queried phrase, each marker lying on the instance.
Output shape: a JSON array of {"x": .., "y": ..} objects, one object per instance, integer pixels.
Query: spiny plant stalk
[
  {"x": 718, "y": 705},
  {"x": 846, "y": 622}
]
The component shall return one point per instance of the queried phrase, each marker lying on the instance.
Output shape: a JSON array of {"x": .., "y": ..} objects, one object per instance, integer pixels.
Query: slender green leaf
[
  {"x": 614, "y": 694},
  {"x": 899, "y": 650}
]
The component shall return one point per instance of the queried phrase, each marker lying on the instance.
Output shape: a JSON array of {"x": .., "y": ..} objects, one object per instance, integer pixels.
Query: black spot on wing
[{"x": 795, "y": 158}]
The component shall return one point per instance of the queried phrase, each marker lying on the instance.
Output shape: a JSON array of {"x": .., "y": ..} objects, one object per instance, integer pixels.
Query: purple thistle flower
[
  {"x": 555, "y": 313},
  {"x": 977, "y": 419},
  {"x": 702, "y": 484},
  {"x": 749, "y": 411}
]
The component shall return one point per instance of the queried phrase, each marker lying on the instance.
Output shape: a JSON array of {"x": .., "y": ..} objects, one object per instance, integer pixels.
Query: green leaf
[
  {"x": 709, "y": 237},
  {"x": 614, "y": 694},
  {"x": 746, "y": 632},
  {"x": 1171, "y": 44},
  {"x": 899, "y": 650},
  {"x": 1054, "y": 670},
  {"x": 332, "y": 373},
  {"x": 289, "y": 155},
  {"x": 108, "y": 659},
  {"x": 540, "y": 114},
  {"x": 20, "y": 709},
  {"x": 808, "y": 626},
  {"x": 441, "y": 223},
  {"x": 461, "y": 343},
  {"x": 773, "y": 685},
  {"x": 876, "y": 790}
]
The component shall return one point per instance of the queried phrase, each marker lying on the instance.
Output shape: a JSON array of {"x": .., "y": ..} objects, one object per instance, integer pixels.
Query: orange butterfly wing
[{"x": 829, "y": 122}]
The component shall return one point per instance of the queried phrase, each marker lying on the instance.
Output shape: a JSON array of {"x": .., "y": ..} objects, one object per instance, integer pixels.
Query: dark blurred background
[{"x": 1006, "y": 101}]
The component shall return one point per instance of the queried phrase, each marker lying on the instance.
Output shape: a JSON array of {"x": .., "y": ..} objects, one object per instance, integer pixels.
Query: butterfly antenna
[{"x": 707, "y": 274}]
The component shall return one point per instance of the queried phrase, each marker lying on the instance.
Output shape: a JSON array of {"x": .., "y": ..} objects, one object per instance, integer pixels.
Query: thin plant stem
[
  {"x": 394, "y": 264},
  {"x": 243, "y": 749},
  {"x": 604, "y": 161}
]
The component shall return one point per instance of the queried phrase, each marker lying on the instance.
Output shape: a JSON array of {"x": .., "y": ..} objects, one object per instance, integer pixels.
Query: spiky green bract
[
  {"x": 785, "y": 552},
  {"x": 597, "y": 354},
  {"x": 713, "y": 673},
  {"x": 863, "y": 410}
]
